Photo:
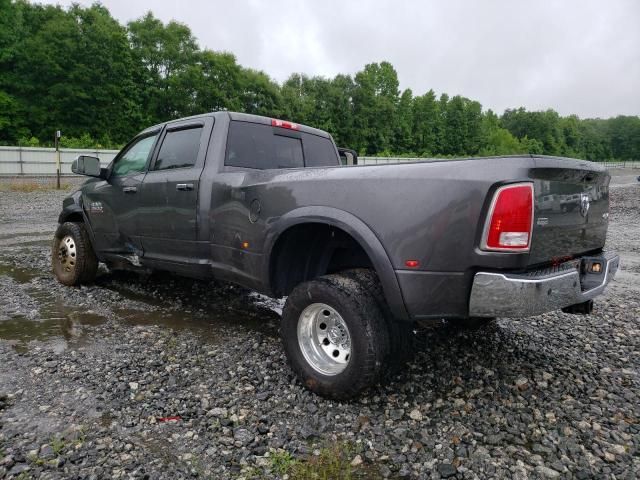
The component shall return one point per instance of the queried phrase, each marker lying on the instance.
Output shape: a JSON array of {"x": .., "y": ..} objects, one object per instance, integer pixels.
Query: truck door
[
  {"x": 112, "y": 206},
  {"x": 168, "y": 216}
]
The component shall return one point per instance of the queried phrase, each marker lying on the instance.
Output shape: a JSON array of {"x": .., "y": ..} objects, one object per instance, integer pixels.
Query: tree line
[{"x": 80, "y": 71}]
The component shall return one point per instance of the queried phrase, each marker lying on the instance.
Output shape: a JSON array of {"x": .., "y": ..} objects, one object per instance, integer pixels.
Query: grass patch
[
  {"x": 333, "y": 463},
  {"x": 35, "y": 460},
  {"x": 57, "y": 445},
  {"x": 282, "y": 462}
]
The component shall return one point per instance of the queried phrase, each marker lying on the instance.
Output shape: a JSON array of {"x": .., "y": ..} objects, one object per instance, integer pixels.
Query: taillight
[
  {"x": 283, "y": 124},
  {"x": 510, "y": 219}
]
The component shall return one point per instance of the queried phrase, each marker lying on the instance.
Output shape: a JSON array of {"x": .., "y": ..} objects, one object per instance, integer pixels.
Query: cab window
[
  {"x": 179, "y": 149},
  {"x": 134, "y": 159}
]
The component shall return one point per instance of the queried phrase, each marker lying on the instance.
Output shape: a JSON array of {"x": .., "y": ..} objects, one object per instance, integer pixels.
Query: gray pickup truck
[{"x": 362, "y": 253}]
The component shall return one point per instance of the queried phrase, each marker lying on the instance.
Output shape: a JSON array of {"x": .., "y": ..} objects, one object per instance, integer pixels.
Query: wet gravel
[{"x": 160, "y": 377}]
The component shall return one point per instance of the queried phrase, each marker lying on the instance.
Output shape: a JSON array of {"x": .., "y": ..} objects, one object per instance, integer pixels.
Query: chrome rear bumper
[{"x": 522, "y": 295}]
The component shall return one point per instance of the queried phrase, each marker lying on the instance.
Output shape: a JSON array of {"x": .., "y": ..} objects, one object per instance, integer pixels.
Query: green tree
[
  {"x": 624, "y": 135},
  {"x": 323, "y": 103},
  {"x": 166, "y": 57},
  {"x": 594, "y": 140},
  {"x": 375, "y": 100},
  {"x": 403, "y": 126},
  {"x": 259, "y": 94},
  {"x": 12, "y": 124},
  {"x": 218, "y": 82},
  {"x": 461, "y": 126},
  {"x": 542, "y": 126},
  {"x": 426, "y": 126},
  {"x": 63, "y": 70},
  {"x": 80, "y": 71}
]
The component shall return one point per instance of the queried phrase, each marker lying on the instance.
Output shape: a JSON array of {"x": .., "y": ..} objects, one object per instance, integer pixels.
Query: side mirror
[
  {"x": 86, "y": 165},
  {"x": 348, "y": 156}
]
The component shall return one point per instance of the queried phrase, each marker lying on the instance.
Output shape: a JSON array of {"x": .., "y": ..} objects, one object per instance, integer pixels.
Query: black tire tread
[
  {"x": 356, "y": 298},
  {"x": 402, "y": 345},
  {"x": 86, "y": 260}
]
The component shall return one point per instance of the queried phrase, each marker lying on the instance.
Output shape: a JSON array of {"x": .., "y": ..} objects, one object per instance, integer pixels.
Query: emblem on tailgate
[{"x": 584, "y": 204}]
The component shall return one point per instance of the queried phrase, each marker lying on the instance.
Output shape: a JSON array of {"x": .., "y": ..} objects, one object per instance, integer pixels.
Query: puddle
[
  {"x": 209, "y": 310},
  {"x": 191, "y": 305},
  {"x": 67, "y": 327},
  {"x": 30, "y": 313},
  {"x": 20, "y": 275},
  {"x": 211, "y": 328}
]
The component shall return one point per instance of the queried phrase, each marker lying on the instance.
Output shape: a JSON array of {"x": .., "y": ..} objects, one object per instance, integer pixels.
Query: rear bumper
[{"x": 521, "y": 295}]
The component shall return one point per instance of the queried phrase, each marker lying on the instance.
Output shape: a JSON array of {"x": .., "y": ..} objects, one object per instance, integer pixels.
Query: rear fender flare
[{"x": 355, "y": 227}]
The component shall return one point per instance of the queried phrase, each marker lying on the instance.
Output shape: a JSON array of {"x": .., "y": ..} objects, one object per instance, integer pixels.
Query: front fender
[
  {"x": 72, "y": 211},
  {"x": 360, "y": 231},
  {"x": 71, "y": 207}
]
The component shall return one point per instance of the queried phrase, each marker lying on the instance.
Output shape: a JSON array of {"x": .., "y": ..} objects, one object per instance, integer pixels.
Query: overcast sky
[{"x": 576, "y": 56}]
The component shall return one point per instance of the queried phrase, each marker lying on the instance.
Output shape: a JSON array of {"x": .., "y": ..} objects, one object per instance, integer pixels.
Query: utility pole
[{"x": 57, "y": 143}]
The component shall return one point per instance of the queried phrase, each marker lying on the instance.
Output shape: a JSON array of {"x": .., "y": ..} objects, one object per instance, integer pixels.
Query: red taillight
[
  {"x": 510, "y": 219},
  {"x": 283, "y": 124}
]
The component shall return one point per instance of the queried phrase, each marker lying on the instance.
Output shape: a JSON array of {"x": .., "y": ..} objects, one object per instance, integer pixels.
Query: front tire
[
  {"x": 334, "y": 335},
  {"x": 72, "y": 257}
]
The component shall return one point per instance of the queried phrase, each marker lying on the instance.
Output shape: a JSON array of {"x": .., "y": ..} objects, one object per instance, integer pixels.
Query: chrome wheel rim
[
  {"x": 67, "y": 254},
  {"x": 324, "y": 339}
]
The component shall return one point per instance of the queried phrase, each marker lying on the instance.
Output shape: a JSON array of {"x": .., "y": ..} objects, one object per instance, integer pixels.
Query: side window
[
  {"x": 179, "y": 149},
  {"x": 251, "y": 145},
  {"x": 134, "y": 159},
  {"x": 319, "y": 152}
]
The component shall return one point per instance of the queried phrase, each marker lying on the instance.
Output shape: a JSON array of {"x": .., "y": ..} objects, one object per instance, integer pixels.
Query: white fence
[
  {"x": 629, "y": 164},
  {"x": 41, "y": 162},
  {"x": 384, "y": 160}
]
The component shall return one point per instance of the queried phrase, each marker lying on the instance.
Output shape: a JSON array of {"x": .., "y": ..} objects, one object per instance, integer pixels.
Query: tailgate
[{"x": 571, "y": 209}]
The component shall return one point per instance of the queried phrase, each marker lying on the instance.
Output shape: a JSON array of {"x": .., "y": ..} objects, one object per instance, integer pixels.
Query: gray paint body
[{"x": 433, "y": 212}]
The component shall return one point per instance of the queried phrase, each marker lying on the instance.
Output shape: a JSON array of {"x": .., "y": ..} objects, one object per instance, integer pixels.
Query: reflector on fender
[{"x": 510, "y": 220}]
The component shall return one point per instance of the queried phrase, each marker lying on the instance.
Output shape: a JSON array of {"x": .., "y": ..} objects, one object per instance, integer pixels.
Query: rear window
[{"x": 252, "y": 145}]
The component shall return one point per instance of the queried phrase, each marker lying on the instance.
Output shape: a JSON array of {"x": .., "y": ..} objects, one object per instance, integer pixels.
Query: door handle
[
  {"x": 184, "y": 186},
  {"x": 130, "y": 189}
]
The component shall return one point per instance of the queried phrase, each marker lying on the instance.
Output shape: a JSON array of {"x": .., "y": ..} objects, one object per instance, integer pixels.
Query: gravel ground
[{"x": 160, "y": 377}]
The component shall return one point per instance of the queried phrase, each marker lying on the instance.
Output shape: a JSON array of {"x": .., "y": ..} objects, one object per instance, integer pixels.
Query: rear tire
[
  {"x": 334, "y": 335},
  {"x": 402, "y": 344},
  {"x": 72, "y": 257}
]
